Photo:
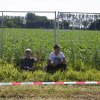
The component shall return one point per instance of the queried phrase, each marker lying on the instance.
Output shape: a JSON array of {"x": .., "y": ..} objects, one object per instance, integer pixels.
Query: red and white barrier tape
[{"x": 47, "y": 83}]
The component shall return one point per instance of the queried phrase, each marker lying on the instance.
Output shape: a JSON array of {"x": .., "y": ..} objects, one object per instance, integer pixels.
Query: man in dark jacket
[{"x": 27, "y": 62}]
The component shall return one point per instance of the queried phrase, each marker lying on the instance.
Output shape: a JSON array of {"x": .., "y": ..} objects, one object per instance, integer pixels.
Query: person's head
[
  {"x": 28, "y": 53},
  {"x": 56, "y": 49}
]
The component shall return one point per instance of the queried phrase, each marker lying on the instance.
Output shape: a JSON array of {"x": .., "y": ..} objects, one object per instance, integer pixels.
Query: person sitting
[
  {"x": 56, "y": 60},
  {"x": 27, "y": 62}
]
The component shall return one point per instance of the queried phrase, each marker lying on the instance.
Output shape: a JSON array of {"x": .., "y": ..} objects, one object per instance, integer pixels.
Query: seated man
[
  {"x": 28, "y": 61},
  {"x": 56, "y": 60}
]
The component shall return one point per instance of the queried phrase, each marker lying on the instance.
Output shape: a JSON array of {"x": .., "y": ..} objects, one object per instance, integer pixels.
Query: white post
[
  {"x": 1, "y": 38},
  {"x": 55, "y": 31},
  {"x": 58, "y": 27}
]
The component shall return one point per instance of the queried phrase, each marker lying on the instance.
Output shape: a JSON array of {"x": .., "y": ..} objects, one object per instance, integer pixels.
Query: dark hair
[{"x": 56, "y": 46}]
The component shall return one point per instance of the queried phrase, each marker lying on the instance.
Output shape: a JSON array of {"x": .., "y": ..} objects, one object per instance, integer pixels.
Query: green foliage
[
  {"x": 81, "y": 48},
  {"x": 95, "y": 25},
  {"x": 9, "y": 73},
  {"x": 78, "y": 46}
]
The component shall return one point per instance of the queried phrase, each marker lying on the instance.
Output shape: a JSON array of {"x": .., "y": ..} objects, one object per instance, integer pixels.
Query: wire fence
[
  {"x": 54, "y": 22},
  {"x": 26, "y": 19}
]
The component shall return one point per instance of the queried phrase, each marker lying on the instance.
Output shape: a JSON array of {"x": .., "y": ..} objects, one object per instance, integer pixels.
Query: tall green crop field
[{"x": 81, "y": 48}]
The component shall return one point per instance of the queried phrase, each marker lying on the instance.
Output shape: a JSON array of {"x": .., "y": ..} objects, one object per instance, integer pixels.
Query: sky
[{"x": 51, "y": 5}]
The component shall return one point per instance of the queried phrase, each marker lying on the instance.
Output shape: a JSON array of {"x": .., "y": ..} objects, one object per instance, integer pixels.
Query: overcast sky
[{"x": 51, "y": 5}]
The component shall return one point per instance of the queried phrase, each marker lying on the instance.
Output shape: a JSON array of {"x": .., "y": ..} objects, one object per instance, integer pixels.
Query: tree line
[
  {"x": 33, "y": 21},
  {"x": 29, "y": 21}
]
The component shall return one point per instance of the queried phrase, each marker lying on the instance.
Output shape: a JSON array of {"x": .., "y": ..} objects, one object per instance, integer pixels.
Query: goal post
[
  {"x": 50, "y": 15},
  {"x": 1, "y": 36}
]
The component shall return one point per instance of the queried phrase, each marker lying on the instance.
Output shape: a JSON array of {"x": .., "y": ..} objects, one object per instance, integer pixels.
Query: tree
[
  {"x": 30, "y": 21},
  {"x": 34, "y": 21},
  {"x": 64, "y": 24},
  {"x": 18, "y": 21},
  {"x": 13, "y": 21},
  {"x": 0, "y": 21},
  {"x": 85, "y": 24},
  {"x": 95, "y": 25}
]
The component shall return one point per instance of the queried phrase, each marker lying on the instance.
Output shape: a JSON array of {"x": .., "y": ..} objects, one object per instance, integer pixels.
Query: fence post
[
  {"x": 55, "y": 31},
  {"x": 1, "y": 39},
  {"x": 58, "y": 28}
]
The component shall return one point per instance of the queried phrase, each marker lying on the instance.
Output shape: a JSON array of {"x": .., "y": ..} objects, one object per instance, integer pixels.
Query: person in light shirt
[{"x": 56, "y": 60}]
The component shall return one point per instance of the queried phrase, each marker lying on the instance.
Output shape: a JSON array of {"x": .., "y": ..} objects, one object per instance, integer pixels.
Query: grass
[{"x": 49, "y": 92}]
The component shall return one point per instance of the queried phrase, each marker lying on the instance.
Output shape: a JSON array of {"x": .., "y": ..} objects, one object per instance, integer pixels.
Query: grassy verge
[
  {"x": 50, "y": 92},
  {"x": 8, "y": 73}
]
